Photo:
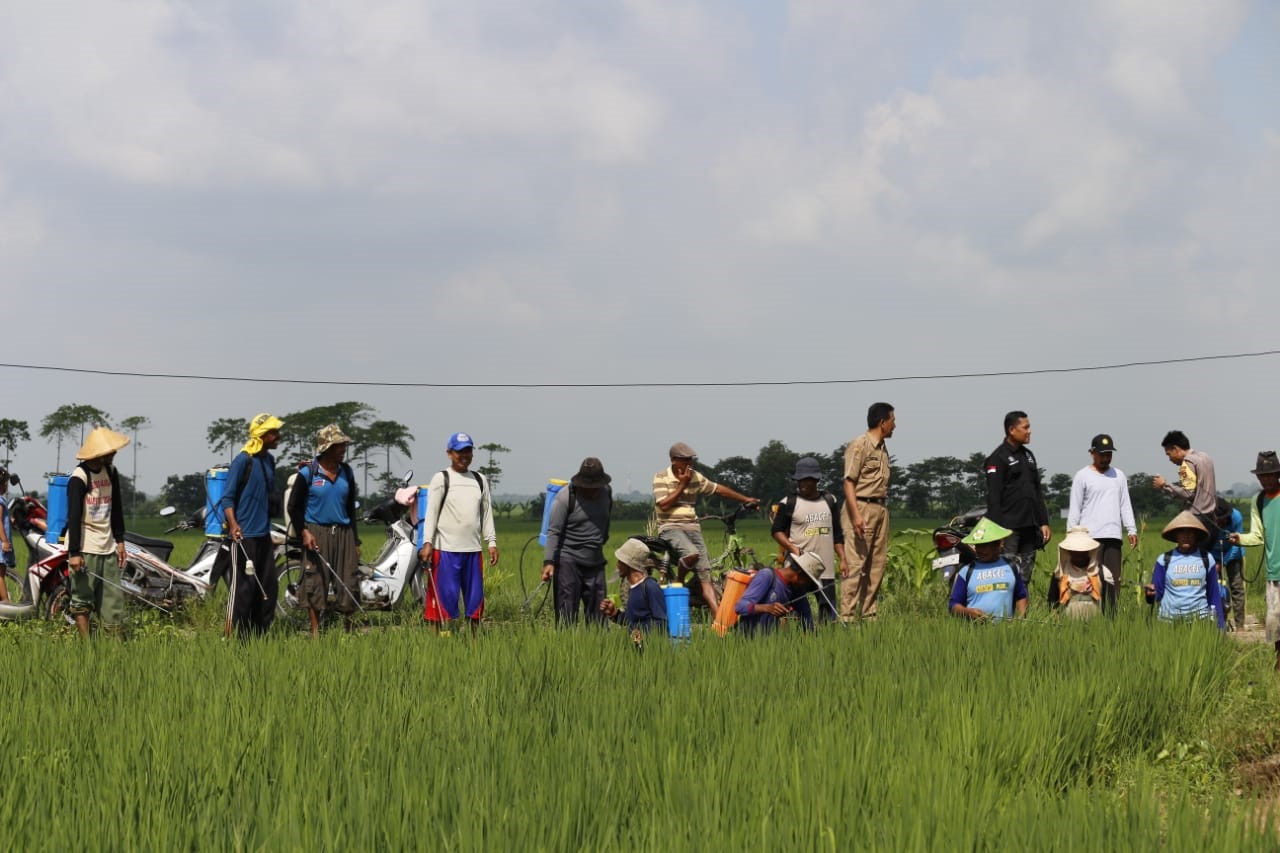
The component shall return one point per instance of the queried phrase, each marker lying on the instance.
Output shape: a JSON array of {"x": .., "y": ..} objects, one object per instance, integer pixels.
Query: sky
[{"x": 582, "y": 193}]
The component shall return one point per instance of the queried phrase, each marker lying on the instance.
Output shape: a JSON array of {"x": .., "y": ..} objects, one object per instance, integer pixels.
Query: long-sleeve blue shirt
[
  {"x": 646, "y": 606},
  {"x": 251, "y": 502},
  {"x": 1196, "y": 592},
  {"x": 767, "y": 588}
]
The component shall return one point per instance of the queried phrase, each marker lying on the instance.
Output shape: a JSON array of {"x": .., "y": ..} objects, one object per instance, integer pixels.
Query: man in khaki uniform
[{"x": 866, "y": 515}]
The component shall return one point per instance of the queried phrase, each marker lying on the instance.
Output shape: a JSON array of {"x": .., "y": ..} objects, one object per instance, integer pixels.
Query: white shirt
[{"x": 1100, "y": 502}]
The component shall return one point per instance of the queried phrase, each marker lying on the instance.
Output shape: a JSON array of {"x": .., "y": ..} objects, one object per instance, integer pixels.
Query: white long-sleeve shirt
[
  {"x": 1100, "y": 502},
  {"x": 466, "y": 517}
]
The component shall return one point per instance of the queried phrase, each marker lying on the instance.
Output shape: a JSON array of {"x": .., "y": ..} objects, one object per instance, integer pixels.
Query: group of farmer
[{"x": 824, "y": 544}]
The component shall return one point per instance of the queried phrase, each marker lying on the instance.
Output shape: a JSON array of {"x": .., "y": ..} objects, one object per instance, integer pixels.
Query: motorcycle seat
[{"x": 162, "y": 548}]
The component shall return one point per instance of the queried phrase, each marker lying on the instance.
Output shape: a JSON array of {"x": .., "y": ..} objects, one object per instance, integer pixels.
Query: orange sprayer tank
[{"x": 735, "y": 583}]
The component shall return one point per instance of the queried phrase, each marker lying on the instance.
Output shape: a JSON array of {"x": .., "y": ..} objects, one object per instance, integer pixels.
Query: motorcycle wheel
[
  {"x": 57, "y": 605},
  {"x": 14, "y": 584},
  {"x": 290, "y": 574}
]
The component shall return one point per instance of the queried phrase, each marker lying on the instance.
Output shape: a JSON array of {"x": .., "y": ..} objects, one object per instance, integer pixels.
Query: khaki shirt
[{"x": 866, "y": 463}]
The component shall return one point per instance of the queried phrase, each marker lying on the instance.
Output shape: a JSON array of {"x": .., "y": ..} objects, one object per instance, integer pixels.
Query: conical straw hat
[{"x": 100, "y": 442}]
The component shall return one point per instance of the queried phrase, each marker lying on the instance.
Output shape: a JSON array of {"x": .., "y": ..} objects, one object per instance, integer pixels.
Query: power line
[{"x": 751, "y": 383}]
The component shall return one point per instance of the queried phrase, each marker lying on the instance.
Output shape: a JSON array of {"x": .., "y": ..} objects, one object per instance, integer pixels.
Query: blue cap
[{"x": 460, "y": 441}]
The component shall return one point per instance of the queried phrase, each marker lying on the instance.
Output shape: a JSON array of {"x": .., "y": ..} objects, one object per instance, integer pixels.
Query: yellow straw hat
[{"x": 99, "y": 442}]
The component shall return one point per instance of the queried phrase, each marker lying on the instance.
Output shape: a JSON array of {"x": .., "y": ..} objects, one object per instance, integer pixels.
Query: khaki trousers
[{"x": 864, "y": 560}]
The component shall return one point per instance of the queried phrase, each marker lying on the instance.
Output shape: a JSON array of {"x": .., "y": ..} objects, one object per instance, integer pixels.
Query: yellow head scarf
[{"x": 258, "y": 427}]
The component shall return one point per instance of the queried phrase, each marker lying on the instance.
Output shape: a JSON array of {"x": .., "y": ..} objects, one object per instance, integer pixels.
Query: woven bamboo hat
[
  {"x": 1185, "y": 520},
  {"x": 100, "y": 442}
]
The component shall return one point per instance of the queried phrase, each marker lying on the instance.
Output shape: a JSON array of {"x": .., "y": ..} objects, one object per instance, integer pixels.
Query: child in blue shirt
[
  {"x": 1184, "y": 582},
  {"x": 990, "y": 588}
]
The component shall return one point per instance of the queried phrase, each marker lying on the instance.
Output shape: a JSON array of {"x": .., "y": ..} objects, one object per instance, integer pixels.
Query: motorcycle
[
  {"x": 954, "y": 555},
  {"x": 396, "y": 569},
  {"x": 146, "y": 576}
]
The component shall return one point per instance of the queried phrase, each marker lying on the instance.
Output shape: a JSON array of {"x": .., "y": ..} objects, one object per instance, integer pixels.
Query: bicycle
[{"x": 737, "y": 555}]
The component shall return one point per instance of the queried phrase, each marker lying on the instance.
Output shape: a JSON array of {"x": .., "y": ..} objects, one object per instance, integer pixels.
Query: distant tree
[
  {"x": 65, "y": 421},
  {"x": 225, "y": 435},
  {"x": 184, "y": 491},
  {"x": 132, "y": 425},
  {"x": 389, "y": 436},
  {"x": 775, "y": 464},
  {"x": 736, "y": 472},
  {"x": 11, "y": 432},
  {"x": 492, "y": 470},
  {"x": 1148, "y": 501},
  {"x": 1057, "y": 492},
  {"x": 297, "y": 437}
]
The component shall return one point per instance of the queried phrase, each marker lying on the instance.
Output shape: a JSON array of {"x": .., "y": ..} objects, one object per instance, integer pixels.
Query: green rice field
[{"x": 919, "y": 732}]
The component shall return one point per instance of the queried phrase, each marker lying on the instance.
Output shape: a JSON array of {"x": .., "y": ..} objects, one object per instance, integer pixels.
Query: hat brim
[{"x": 580, "y": 482}]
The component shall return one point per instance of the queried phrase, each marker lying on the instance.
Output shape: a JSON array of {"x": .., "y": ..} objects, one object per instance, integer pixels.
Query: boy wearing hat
[
  {"x": 808, "y": 523},
  {"x": 247, "y": 506},
  {"x": 775, "y": 593},
  {"x": 1264, "y": 529},
  {"x": 458, "y": 523},
  {"x": 323, "y": 506},
  {"x": 95, "y": 532},
  {"x": 1184, "y": 582},
  {"x": 990, "y": 588},
  {"x": 1100, "y": 504},
  {"x": 577, "y": 529},
  {"x": 675, "y": 493},
  {"x": 1078, "y": 581},
  {"x": 646, "y": 605}
]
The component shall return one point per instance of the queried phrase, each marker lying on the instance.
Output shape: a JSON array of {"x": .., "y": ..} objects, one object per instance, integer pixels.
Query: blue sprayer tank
[
  {"x": 677, "y": 598},
  {"x": 422, "y": 514},
  {"x": 553, "y": 488},
  {"x": 215, "y": 486},
  {"x": 57, "y": 507}
]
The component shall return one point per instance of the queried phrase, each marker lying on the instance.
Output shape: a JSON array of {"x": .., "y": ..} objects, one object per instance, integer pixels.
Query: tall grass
[{"x": 929, "y": 734}]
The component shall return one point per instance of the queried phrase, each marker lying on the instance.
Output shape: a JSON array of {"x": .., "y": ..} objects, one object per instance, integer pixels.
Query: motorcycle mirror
[
  {"x": 408, "y": 477},
  {"x": 168, "y": 511},
  {"x": 15, "y": 480},
  {"x": 359, "y": 503}
]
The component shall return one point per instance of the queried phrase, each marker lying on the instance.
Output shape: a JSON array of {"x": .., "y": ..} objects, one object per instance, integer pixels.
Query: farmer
[
  {"x": 1184, "y": 582},
  {"x": 675, "y": 492},
  {"x": 808, "y": 523},
  {"x": 775, "y": 593},
  {"x": 577, "y": 529},
  {"x": 246, "y": 503},
  {"x": 646, "y": 606},
  {"x": 1197, "y": 484},
  {"x": 7, "y": 556},
  {"x": 459, "y": 521},
  {"x": 1015, "y": 498},
  {"x": 95, "y": 532},
  {"x": 1231, "y": 559},
  {"x": 1264, "y": 530},
  {"x": 323, "y": 506},
  {"x": 866, "y": 516},
  {"x": 1079, "y": 583},
  {"x": 991, "y": 588},
  {"x": 1100, "y": 504}
]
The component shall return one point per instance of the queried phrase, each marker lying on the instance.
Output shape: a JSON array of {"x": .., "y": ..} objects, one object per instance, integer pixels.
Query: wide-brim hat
[
  {"x": 591, "y": 474},
  {"x": 807, "y": 468},
  {"x": 1185, "y": 520},
  {"x": 1078, "y": 539},
  {"x": 329, "y": 436},
  {"x": 1268, "y": 463},
  {"x": 985, "y": 532},
  {"x": 99, "y": 442},
  {"x": 810, "y": 565},
  {"x": 634, "y": 554}
]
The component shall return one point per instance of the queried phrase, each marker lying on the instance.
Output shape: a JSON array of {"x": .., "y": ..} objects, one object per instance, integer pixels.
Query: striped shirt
[{"x": 682, "y": 512}]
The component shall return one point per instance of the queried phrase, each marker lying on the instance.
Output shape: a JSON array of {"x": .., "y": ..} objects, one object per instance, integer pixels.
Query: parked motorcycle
[
  {"x": 953, "y": 555},
  {"x": 212, "y": 560},
  {"x": 394, "y": 571}
]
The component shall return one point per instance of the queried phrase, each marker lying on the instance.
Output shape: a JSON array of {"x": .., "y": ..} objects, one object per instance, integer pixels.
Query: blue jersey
[
  {"x": 326, "y": 499},
  {"x": 251, "y": 504},
  {"x": 993, "y": 588}
]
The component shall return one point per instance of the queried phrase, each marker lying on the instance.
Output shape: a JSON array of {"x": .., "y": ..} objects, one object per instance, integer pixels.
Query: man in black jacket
[{"x": 1015, "y": 498}]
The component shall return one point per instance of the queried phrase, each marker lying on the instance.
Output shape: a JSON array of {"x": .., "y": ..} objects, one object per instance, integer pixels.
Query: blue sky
[{"x": 571, "y": 192}]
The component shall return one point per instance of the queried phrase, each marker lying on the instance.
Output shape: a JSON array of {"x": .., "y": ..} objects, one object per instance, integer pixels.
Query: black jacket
[{"x": 1014, "y": 496}]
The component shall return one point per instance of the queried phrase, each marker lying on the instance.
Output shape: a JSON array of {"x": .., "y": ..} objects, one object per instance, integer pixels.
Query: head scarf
[{"x": 258, "y": 427}]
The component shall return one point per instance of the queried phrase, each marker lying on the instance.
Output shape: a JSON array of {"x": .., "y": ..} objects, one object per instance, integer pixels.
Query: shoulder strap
[
  {"x": 831, "y": 502},
  {"x": 1258, "y": 502}
]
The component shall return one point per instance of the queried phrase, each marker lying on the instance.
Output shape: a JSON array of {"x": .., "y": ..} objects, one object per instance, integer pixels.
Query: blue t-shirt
[
  {"x": 1186, "y": 588},
  {"x": 993, "y": 588},
  {"x": 1223, "y": 549},
  {"x": 8, "y": 534},
  {"x": 327, "y": 500}
]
